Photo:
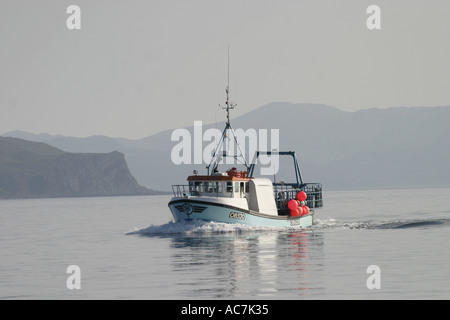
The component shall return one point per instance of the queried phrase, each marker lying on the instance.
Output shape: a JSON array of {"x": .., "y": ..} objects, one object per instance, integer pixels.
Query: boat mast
[
  {"x": 228, "y": 105},
  {"x": 228, "y": 129}
]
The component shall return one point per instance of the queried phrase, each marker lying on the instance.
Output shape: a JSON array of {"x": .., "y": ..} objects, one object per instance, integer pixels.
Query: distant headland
[{"x": 31, "y": 169}]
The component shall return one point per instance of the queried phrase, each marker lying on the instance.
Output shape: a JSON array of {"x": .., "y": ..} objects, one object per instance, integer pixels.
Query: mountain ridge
[{"x": 370, "y": 148}]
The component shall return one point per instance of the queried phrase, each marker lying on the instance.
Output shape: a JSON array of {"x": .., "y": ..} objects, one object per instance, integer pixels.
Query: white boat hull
[{"x": 197, "y": 208}]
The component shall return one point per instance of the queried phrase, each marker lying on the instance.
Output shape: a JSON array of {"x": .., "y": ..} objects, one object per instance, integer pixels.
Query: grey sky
[{"x": 138, "y": 67}]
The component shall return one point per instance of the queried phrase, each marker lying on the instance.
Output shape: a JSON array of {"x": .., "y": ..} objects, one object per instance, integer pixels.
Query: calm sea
[{"x": 128, "y": 248}]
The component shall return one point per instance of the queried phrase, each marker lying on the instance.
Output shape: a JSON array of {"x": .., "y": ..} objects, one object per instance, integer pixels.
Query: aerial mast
[
  {"x": 228, "y": 104},
  {"x": 228, "y": 130}
]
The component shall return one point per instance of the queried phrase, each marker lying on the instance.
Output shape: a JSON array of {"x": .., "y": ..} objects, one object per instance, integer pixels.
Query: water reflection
[{"x": 285, "y": 265}]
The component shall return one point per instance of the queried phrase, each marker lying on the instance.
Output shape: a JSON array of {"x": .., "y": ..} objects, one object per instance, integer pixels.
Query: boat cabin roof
[{"x": 217, "y": 178}]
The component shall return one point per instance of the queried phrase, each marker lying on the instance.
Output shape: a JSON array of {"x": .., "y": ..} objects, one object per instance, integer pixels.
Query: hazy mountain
[
  {"x": 373, "y": 148},
  {"x": 34, "y": 169}
]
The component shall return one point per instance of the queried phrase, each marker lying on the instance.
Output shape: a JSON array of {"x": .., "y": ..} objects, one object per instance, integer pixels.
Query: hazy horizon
[
  {"x": 136, "y": 69},
  {"x": 219, "y": 120}
]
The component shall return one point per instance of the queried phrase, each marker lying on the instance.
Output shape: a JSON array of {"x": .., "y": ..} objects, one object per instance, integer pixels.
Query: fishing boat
[{"x": 236, "y": 196}]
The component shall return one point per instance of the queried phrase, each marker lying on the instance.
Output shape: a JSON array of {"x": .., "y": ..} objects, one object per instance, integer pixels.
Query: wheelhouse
[{"x": 214, "y": 186}]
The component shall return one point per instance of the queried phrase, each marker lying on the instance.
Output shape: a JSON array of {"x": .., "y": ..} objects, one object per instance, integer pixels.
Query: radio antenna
[
  {"x": 227, "y": 132},
  {"x": 228, "y": 105}
]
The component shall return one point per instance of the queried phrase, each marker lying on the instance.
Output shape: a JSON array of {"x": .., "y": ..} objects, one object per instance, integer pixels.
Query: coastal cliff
[{"x": 36, "y": 170}]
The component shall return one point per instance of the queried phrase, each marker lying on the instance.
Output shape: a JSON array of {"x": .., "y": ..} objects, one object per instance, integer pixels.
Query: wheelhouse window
[
  {"x": 206, "y": 187},
  {"x": 218, "y": 187},
  {"x": 214, "y": 188},
  {"x": 244, "y": 187}
]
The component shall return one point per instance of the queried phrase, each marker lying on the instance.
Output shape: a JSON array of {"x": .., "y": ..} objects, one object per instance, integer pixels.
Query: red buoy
[
  {"x": 305, "y": 210},
  {"x": 301, "y": 195},
  {"x": 292, "y": 204},
  {"x": 295, "y": 212}
]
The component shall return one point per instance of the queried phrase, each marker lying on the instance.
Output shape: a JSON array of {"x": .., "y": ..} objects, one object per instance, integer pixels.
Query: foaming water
[
  {"x": 198, "y": 227},
  {"x": 333, "y": 224}
]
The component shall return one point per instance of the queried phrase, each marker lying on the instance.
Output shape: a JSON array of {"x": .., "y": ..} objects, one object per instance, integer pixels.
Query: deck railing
[
  {"x": 180, "y": 190},
  {"x": 286, "y": 192},
  {"x": 184, "y": 190}
]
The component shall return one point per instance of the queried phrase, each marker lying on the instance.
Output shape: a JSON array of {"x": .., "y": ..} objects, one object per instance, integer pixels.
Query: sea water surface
[{"x": 129, "y": 248}]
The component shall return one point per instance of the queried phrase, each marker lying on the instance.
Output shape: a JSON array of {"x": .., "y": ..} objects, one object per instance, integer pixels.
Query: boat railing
[
  {"x": 180, "y": 190},
  {"x": 285, "y": 192},
  {"x": 184, "y": 190}
]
